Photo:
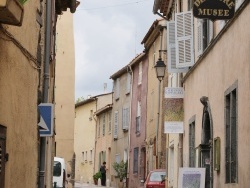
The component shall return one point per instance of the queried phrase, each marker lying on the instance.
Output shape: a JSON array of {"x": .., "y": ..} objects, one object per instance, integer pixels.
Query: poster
[
  {"x": 174, "y": 110},
  {"x": 191, "y": 177}
]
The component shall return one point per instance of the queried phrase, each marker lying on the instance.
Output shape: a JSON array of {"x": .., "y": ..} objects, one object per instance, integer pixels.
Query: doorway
[
  {"x": 2, "y": 154},
  {"x": 206, "y": 147}
]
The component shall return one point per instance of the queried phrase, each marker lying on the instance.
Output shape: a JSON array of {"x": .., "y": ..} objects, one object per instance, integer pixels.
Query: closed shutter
[
  {"x": 125, "y": 118},
  {"x": 171, "y": 49},
  {"x": 184, "y": 37},
  {"x": 199, "y": 36},
  {"x": 128, "y": 82},
  {"x": 117, "y": 88},
  {"x": 211, "y": 31},
  {"x": 116, "y": 124}
]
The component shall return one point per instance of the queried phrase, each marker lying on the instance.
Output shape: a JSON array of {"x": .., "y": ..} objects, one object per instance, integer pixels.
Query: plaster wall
[
  {"x": 137, "y": 139},
  {"x": 225, "y": 64},
  {"x": 65, "y": 89},
  {"x": 84, "y": 140},
  {"x": 120, "y": 144},
  {"x": 19, "y": 79}
]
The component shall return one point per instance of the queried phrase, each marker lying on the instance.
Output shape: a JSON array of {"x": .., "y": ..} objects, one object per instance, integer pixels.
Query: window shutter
[
  {"x": 199, "y": 36},
  {"x": 125, "y": 118},
  {"x": 128, "y": 82},
  {"x": 116, "y": 124},
  {"x": 117, "y": 88},
  {"x": 184, "y": 37},
  {"x": 211, "y": 30},
  {"x": 171, "y": 49}
]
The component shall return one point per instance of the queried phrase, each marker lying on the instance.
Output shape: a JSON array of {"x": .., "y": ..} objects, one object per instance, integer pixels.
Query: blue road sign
[{"x": 46, "y": 123}]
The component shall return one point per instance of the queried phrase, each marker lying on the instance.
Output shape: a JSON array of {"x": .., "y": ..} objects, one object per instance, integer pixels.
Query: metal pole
[
  {"x": 43, "y": 140},
  {"x": 158, "y": 122}
]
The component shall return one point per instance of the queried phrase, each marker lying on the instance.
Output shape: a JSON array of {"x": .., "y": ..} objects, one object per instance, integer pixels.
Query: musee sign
[{"x": 214, "y": 9}]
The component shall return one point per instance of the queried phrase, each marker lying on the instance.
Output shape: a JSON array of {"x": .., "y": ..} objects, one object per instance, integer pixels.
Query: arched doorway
[{"x": 207, "y": 142}]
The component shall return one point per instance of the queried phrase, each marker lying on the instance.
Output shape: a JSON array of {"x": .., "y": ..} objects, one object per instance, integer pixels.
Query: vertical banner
[{"x": 174, "y": 110}]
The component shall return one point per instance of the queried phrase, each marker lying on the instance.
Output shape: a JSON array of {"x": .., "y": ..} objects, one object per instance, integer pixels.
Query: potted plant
[
  {"x": 121, "y": 171},
  {"x": 96, "y": 176}
]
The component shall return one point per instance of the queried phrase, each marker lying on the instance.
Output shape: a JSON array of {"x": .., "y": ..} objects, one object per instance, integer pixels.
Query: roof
[
  {"x": 91, "y": 99},
  {"x": 104, "y": 109},
  {"x": 125, "y": 68}
]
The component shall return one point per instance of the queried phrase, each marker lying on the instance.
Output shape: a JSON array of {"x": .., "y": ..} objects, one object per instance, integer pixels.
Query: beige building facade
[
  {"x": 65, "y": 91},
  {"x": 84, "y": 140},
  {"x": 92, "y": 136},
  {"x": 155, "y": 47},
  {"x": 216, "y": 100}
]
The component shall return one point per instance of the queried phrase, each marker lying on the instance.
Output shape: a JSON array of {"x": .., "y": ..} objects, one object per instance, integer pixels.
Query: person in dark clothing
[{"x": 103, "y": 172}]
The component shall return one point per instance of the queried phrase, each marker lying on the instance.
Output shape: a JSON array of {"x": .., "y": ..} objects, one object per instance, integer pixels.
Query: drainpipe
[
  {"x": 130, "y": 112},
  {"x": 43, "y": 140}
]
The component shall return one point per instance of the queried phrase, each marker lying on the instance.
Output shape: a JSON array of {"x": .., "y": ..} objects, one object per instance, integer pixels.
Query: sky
[{"x": 108, "y": 35}]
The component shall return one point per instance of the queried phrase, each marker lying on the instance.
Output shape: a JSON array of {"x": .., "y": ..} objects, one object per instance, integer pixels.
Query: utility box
[{"x": 11, "y": 12}]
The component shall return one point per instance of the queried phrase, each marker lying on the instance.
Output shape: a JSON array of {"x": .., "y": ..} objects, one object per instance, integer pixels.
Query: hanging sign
[
  {"x": 174, "y": 110},
  {"x": 214, "y": 9}
]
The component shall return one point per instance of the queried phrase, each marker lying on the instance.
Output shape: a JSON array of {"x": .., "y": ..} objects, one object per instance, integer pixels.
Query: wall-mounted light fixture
[{"x": 11, "y": 12}]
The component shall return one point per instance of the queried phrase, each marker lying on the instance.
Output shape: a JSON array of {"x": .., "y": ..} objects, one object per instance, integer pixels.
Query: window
[
  {"x": 125, "y": 155},
  {"x": 192, "y": 144},
  {"x": 128, "y": 83},
  {"x": 135, "y": 164},
  {"x": 90, "y": 115},
  {"x": 117, "y": 158},
  {"x": 138, "y": 117},
  {"x": 140, "y": 73},
  {"x": 152, "y": 106},
  {"x": 231, "y": 155},
  {"x": 117, "y": 88},
  {"x": 90, "y": 155},
  {"x": 190, "y": 4},
  {"x": 99, "y": 127},
  {"x": 86, "y": 155},
  {"x": 115, "y": 124},
  {"x": 110, "y": 117},
  {"x": 83, "y": 156},
  {"x": 125, "y": 118},
  {"x": 103, "y": 124},
  {"x": 205, "y": 34}
]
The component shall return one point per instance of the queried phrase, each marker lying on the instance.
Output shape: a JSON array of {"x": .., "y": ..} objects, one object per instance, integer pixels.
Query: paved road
[{"x": 85, "y": 185}]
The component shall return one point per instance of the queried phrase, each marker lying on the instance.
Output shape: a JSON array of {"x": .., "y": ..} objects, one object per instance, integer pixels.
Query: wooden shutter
[
  {"x": 199, "y": 36},
  {"x": 184, "y": 38},
  {"x": 125, "y": 118},
  {"x": 128, "y": 82},
  {"x": 211, "y": 31},
  {"x": 116, "y": 124},
  {"x": 171, "y": 49}
]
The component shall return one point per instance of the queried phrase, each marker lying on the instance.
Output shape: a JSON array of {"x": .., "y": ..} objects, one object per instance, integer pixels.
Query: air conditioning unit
[{"x": 11, "y": 12}]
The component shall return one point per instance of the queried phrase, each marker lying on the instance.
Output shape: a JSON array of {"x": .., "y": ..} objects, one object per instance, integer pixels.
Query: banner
[{"x": 174, "y": 110}]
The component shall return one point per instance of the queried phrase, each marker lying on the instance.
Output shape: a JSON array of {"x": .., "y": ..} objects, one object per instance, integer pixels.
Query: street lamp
[{"x": 160, "y": 68}]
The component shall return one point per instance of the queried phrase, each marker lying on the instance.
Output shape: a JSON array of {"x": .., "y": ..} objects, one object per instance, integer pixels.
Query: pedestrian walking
[{"x": 103, "y": 170}]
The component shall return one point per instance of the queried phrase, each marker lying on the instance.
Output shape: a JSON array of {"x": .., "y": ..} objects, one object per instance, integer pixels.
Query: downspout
[
  {"x": 129, "y": 130},
  {"x": 43, "y": 140}
]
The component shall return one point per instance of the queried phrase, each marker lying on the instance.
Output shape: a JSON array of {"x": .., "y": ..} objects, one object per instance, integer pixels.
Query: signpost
[
  {"x": 214, "y": 9},
  {"x": 46, "y": 123}
]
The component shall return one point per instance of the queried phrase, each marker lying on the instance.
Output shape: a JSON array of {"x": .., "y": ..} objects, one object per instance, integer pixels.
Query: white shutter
[
  {"x": 125, "y": 118},
  {"x": 117, "y": 88},
  {"x": 116, "y": 124},
  {"x": 211, "y": 31},
  {"x": 171, "y": 49},
  {"x": 184, "y": 37},
  {"x": 199, "y": 36},
  {"x": 128, "y": 82}
]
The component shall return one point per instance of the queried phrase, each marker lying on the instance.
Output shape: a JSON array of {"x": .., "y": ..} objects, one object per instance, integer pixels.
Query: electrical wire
[
  {"x": 118, "y": 5},
  {"x": 27, "y": 54}
]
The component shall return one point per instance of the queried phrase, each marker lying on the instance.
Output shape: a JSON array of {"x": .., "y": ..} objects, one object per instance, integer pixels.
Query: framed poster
[{"x": 191, "y": 177}]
